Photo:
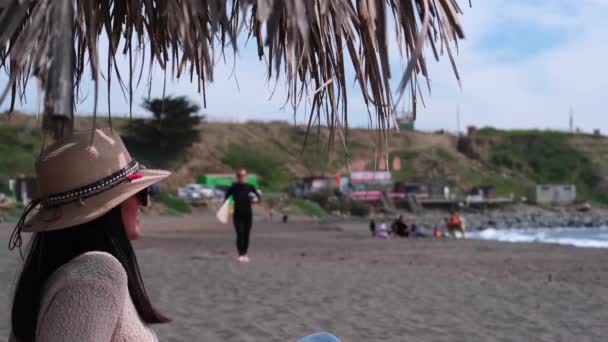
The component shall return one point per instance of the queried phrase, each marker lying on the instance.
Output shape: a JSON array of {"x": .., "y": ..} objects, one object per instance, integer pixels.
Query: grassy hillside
[
  {"x": 553, "y": 157},
  {"x": 513, "y": 161},
  {"x": 21, "y": 141},
  {"x": 17, "y": 146}
]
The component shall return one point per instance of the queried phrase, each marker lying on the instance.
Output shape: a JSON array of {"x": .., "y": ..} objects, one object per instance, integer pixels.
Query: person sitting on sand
[
  {"x": 415, "y": 231},
  {"x": 382, "y": 231},
  {"x": 436, "y": 232},
  {"x": 81, "y": 280},
  {"x": 399, "y": 227},
  {"x": 454, "y": 224}
]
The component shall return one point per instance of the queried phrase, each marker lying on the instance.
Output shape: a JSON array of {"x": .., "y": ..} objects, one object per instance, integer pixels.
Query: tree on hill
[{"x": 167, "y": 137}]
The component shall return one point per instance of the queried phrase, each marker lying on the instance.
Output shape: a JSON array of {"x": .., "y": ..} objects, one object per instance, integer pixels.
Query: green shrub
[
  {"x": 19, "y": 147},
  {"x": 305, "y": 207},
  {"x": 344, "y": 205},
  {"x": 322, "y": 198},
  {"x": 358, "y": 209},
  {"x": 175, "y": 205}
]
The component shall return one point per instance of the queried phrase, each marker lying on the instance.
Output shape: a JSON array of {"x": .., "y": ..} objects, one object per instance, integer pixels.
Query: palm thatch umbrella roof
[{"x": 310, "y": 42}]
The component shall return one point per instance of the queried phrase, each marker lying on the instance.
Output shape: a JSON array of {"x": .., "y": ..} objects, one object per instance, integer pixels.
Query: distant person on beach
[
  {"x": 382, "y": 231},
  {"x": 243, "y": 195},
  {"x": 372, "y": 227},
  {"x": 415, "y": 231},
  {"x": 155, "y": 190},
  {"x": 399, "y": 227},
  {"x": 455, "y": 224},
  {"x": 80, "y": 280},
  {"x": 271, "y": 204}
]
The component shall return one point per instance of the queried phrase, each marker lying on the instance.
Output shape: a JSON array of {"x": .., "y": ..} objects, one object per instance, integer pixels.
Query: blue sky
[{"x": 524, "y": 63}]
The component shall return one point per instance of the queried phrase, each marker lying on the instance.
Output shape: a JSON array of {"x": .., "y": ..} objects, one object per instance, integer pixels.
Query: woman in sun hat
[{"x": 81, "y": 279}]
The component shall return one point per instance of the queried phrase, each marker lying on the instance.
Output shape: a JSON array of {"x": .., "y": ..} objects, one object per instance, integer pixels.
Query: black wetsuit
[
  {"x": 243, "y": 213},
  {"x": 400, "y": 228}
]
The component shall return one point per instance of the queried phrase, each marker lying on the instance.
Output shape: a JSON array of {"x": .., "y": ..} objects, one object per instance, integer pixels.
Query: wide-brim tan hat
[{"x": 83, "y": 177}]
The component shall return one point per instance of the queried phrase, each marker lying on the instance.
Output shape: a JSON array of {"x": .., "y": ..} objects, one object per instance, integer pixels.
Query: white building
[{"x": 555, "y": 194}]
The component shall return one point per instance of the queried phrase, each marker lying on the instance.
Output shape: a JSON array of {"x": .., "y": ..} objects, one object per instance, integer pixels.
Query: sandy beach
[{"x": 307, "y": 277}]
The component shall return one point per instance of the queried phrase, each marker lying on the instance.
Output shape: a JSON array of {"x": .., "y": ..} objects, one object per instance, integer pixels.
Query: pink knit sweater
[{"x": 87, "y": 299}]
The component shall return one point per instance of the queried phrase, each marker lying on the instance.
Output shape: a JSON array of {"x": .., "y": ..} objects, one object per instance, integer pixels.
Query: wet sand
[{"x": 307, "y": 277}]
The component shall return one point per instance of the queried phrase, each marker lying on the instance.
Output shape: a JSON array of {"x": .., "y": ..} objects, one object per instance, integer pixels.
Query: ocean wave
[{"x": 579, "y": 237}]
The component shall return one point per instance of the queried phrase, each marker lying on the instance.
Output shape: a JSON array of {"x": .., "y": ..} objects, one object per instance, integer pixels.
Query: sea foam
[{"x": 580, "y": 237}]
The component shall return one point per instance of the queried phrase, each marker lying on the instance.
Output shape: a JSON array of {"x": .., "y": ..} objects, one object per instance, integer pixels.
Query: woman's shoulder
[
  {"x": 92, "y": 267},
  {"x": 91, "y": 287}
]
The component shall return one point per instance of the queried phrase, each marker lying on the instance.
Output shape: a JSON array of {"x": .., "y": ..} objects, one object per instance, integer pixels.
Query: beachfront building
[
  {"x": 560, "y": 194},
  {"x": 371, "y": 180},
  {"x": 318, "y": 184},
  {"x": 481, "y": 193},
  {"x": 416, "y": 190},
  {"x": 369, "y": 186},
  {"x": 23, "y": 189}
]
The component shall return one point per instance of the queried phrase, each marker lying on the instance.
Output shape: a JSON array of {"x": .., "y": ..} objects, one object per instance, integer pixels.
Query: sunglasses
[{"x": 143, "y": 197}]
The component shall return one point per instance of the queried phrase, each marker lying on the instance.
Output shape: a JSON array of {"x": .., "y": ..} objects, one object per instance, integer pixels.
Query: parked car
[
  {"x": 219, "y": 193},
  {"x": 195, "y": 192},
  {"x": 222, "y": 188}
]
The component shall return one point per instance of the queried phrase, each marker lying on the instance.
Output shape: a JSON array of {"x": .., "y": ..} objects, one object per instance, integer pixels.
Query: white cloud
[{"x": 534, "y": 90}]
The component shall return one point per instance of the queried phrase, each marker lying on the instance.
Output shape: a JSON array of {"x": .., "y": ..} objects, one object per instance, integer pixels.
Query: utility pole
[
  {"x": 458, "y": 119},
  {"x": 571, "y": 120}
]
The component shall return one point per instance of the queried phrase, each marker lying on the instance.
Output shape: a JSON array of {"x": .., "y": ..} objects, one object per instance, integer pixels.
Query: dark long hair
[{"x": 49, "y": 250}]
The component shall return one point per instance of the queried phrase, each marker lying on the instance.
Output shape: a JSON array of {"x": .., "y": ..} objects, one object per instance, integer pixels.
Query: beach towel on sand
[{"x": 223, "y": 214}]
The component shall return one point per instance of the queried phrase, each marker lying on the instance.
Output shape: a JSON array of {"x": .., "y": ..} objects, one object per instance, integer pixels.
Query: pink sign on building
[{"x": 370, "y": 177}]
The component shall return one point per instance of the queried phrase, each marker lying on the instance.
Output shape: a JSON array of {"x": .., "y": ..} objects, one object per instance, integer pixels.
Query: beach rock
[{"x": 518, "y": 216}]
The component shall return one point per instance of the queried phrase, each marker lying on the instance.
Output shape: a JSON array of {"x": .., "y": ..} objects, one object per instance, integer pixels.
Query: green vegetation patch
[
  {"x": 174, "y": 205},
  {"x": 19, "y": 147},
  {"x": 548, "y": 158},
  {"x": 299, "y": 206},
  {"x": 271, "y": 168},
  {"x": 425, "y": 164}
]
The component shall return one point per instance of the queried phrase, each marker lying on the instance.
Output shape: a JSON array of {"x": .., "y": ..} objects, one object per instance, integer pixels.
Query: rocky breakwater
[{"x": 519, "y": 216}]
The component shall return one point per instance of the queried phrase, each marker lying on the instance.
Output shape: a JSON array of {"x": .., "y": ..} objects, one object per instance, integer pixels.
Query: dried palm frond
[{"x": 309, "y": 41}]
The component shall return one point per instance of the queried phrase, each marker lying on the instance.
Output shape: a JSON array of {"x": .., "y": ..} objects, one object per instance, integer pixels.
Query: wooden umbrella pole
[{"x": 58, "y": 117}]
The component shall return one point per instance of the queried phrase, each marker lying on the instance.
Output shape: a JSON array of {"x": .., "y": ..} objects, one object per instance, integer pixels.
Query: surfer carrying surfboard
[{"x": 243, "y": 195}]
